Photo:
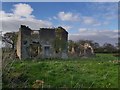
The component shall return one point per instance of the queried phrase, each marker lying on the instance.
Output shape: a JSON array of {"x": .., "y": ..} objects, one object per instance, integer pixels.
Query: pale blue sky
[{"x": 87, "y": 18}]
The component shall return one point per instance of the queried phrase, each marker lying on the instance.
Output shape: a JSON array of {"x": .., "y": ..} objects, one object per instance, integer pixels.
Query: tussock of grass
[{"x": 99, "y": 71}]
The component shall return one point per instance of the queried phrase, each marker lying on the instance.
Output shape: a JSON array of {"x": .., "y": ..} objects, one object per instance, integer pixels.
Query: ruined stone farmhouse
[{"x": 42, "y": 43}]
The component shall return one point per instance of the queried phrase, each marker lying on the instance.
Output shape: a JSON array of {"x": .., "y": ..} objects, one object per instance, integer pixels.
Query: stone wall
[
  {"x": 41, "y": 43},
  {"x": 19, "y": 44}
]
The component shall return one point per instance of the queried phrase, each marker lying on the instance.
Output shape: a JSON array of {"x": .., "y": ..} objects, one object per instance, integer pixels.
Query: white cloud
[
  {"x": 54, "y": 17},
  {"x": 22, "y": 10},
  {"x": 100, "y": 36},
  {"x": 90, "y": 21},
  {"x": 14, "y": 24},
  {"x": 109, "y": 10},
  {"x": 82, "y": 29},
  {"x": 12, "y": 21},
  {"x": 68, "y": 16}
]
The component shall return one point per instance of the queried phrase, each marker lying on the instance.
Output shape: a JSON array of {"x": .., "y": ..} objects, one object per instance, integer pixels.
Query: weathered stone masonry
[{"x": 43, "y": 43}]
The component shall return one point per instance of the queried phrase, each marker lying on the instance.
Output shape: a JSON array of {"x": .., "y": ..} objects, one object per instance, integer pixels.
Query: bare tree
[{"x": 10, "y": 38}]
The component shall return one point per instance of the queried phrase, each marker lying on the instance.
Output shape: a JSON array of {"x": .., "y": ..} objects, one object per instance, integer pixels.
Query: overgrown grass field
[{"x": 97, "y": 72}]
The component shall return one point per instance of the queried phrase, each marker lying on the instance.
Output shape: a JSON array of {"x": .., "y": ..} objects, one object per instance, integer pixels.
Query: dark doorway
[
  {"x": 33, "y": 50},
  {"x": 47, "y": 51}
]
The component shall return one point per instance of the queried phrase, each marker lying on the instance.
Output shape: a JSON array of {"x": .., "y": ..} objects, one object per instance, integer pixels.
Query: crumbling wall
[
  {"x": 61, "y": 42},
  {"x": 47, "y": 37},
  {"x": 19, "y": 44},
  {"x": 41, "y": 43},
  {"x": 23, "y": 41}
]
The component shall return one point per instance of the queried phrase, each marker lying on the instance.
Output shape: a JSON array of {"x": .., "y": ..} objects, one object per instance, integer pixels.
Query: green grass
[{"x": 96, "y": 72}]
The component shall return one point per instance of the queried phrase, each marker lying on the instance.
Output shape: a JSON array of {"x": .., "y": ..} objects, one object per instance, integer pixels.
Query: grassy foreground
[{"x": 98, "y": 72}]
